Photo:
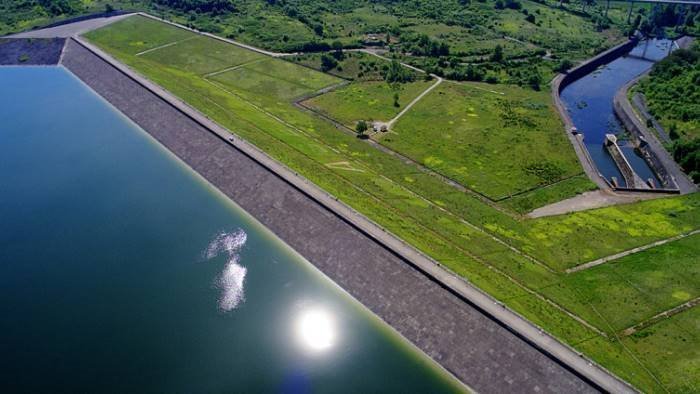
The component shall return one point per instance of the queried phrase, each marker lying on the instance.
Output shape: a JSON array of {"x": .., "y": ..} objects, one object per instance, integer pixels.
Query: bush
[
  {"x": 564, "y": 66},
  {"x": 328, "y": 62}
]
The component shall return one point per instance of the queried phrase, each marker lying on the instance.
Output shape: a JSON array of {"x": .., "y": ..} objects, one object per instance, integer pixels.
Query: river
[
  {"x": 121, "y": 270},
  {"x": 589, "y": 101}
]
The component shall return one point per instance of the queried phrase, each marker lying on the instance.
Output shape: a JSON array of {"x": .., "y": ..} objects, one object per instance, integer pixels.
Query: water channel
[
  {"x": 589, "y": 101},
  {"x": 121, "y": 270}
]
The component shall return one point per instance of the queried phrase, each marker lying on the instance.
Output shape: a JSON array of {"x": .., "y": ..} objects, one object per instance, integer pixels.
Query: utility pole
[{"x": 629, "y": 15}]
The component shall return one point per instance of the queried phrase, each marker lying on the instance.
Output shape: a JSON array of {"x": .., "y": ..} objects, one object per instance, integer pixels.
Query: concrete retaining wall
[
  {"x": 632, "y": 180},
  {"x": 590, "y": 65},
  {"x": 642, "y": 147},
  {"x": 673, "y": 179}
]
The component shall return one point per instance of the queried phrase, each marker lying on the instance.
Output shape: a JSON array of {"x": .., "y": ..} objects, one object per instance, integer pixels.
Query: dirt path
[
  {"x": 163, "y": 46},
  {"x": 660, "y": 316},
  {"x": 642, "y": 248},
  {"x": 590, "y": 200},
  {"x": 412, "y": 103}
]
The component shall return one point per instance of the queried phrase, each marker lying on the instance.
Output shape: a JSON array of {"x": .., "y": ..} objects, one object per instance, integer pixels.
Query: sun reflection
[{"x": 315, "y": 329}]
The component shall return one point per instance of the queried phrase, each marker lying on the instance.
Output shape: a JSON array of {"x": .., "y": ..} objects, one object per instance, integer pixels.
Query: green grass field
[
  {"x": 496, "y": 140},
  {"x": 461, "y": 230},
  {"x": 358, "y": 66},
  {"x": 367, "y": 100}
]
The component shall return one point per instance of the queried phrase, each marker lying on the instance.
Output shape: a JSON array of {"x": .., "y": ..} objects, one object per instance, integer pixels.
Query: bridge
[{"x": 683, "y": 3}]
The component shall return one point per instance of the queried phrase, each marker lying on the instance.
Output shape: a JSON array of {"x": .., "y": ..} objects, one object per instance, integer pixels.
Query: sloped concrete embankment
[
  {"x": 30, "y": 51},
  {"x": 393, "y": 282},
  {"x": 672, "y": 177}
]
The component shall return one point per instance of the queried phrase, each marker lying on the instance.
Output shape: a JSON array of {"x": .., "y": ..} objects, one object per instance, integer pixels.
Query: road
[{"x": 391, "y": 123}]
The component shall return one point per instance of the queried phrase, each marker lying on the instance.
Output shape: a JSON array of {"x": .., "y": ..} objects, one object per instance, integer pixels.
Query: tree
[
  {"x": 497, "y": 54},
  {"x": 108, "y": 8},
  {"x": 513, "y": 4},
  {"x": 564, "y": 65},
  {"x": 361, "y": 128},
  {"x": 395, "y": 72},
  {"x": 338, "y": 50},
  {"x": 535, "y": 80},
  {"x": 328, "y": 62}
]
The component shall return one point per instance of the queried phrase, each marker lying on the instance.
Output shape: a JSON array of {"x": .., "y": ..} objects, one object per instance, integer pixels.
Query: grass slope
[
  {"x": 497, "y": 143},
  {"x": 455, "y": 228},
  {"x": 372, "y": 100}
]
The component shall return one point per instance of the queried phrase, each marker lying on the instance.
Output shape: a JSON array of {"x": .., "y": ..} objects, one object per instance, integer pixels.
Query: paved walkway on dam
[
  {"x": 475, "y": 348},
  {"x": 70, "y": 29}
]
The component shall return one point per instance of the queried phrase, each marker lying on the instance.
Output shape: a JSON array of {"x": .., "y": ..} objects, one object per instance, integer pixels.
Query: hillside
[{"x": 672, "y": 91}]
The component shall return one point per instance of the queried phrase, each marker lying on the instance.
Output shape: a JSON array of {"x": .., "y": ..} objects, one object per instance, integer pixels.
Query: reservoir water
[
  {"x": 121, "y": 270},
  {"x": 589, "y": 101}
]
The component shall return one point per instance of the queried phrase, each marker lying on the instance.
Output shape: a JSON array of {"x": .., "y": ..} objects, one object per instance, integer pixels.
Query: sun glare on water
[{"x": 316, "y": 330}]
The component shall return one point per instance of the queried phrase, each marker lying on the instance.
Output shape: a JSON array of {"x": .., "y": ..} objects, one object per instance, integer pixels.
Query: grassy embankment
[
  {"x": 371, "y": 100},
  {"x": 455, "y": 228}
]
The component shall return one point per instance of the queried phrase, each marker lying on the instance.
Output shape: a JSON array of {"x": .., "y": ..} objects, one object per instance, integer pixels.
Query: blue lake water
[
  {"x": 589, "y": 101},
  {"x": 121, "y": 270}
]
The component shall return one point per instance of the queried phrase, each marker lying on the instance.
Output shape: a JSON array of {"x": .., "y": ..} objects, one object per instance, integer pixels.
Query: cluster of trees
[
  {"x": 687, "y": 154},
  {"x": 672, "y": 91},
  {"x": 60, "y": 7},
  {"x": 214, "y": 7},
  {"x": 683, "y": 19},
  {"x": 422, "y": 45},
  {"x": 512, "y": 4},
  {"x": 394, "y": 72}
]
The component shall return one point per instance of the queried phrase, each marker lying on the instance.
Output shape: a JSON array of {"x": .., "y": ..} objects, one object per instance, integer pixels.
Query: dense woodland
[{"x": 672, "y": 91}]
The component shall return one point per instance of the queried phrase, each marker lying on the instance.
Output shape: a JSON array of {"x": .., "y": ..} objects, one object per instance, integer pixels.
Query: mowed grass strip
[
  {"x": 367, "y": 101},
  {"x": 541, "y": 196},
  {"x": 649, "y": 282},
  {"x": 203, "y": 55},
  {"x": 495, "y": 144},
  {"x": 423, "y": 210},
  {"x": 671, "y": 347},
  {"x": 275, "y": 79}
]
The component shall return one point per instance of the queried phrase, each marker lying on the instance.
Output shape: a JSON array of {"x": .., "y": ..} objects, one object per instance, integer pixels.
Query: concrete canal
[{"x": 589, "y": 102}]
